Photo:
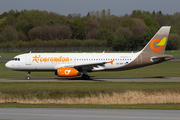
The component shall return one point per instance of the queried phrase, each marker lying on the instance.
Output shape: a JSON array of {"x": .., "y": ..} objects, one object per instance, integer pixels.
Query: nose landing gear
[{"x": 28, "y": 75}]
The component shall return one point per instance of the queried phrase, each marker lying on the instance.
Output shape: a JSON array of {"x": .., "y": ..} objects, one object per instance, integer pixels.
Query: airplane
[{"x": 75, "y": 64}]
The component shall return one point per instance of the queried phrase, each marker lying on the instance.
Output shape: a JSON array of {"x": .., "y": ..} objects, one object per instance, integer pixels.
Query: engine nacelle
[{"x": 67, "y": 72}]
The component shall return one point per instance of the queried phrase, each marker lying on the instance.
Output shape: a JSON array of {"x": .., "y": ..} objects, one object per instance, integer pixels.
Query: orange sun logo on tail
[{"x": 160, "y": 44}]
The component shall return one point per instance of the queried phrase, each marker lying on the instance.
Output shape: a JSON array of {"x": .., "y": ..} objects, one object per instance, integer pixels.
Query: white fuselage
[{"x": 52, "y": 61}]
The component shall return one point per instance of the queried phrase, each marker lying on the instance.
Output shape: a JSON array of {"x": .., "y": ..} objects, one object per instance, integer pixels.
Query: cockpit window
[{"x": 16, "y": 59}]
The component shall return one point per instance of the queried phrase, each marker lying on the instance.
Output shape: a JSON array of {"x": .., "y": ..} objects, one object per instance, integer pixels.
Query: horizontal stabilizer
[{"x": 160, "y": 58}]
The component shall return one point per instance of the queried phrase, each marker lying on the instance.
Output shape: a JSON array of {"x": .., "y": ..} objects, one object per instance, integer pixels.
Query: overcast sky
[{"x": 117, "y": 7}]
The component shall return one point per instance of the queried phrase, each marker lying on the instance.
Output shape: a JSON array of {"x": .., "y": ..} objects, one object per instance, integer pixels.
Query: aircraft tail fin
[{"x": 158, "y": 42}]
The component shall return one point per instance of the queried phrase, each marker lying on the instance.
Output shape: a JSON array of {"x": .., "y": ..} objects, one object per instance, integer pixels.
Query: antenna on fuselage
[
  {"x": 103, "y": 51},
  {"x": 30, "y": 52}
]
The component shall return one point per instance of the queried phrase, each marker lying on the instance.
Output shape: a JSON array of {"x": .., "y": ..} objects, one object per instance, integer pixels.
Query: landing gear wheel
[
  {"x": 85, "y": 77},
  {"x": 28, "y": 77}
]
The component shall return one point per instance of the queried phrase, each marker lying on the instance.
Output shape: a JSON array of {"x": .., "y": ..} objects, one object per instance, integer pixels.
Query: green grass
[
  {"x": 97, "y": 106},
  {"x": 80, "y": 89},
  {"x": 175, "y": 53},
  {"x": 16, "y": 87},
  {"x": 165, "y": 69},
  {"x": 57, "y": 90}
]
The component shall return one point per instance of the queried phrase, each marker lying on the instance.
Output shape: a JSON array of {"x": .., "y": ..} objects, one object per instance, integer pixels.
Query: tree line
[{"x": 29, "y": 28}]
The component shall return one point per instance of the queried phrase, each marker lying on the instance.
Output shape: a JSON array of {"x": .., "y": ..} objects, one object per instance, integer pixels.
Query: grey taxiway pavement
[
  {"x": 86, "y": 114},
  {"x": 79, "y": 79}
]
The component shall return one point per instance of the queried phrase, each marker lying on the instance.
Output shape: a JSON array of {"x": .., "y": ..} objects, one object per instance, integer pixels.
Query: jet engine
[{"x": 67, "y": 72}]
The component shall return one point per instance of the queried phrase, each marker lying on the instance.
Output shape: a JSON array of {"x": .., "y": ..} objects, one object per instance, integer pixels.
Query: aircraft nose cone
[{"x": 7, "y": 65}]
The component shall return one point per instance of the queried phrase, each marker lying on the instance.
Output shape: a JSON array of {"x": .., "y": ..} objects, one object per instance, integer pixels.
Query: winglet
[{"x": 111, "y": 62}]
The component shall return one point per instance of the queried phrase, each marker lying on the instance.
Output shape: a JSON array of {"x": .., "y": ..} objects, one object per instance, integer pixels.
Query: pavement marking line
[{"x": 168, "y": 118}]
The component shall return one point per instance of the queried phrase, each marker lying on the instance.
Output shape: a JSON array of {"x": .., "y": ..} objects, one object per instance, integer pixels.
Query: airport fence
[{"x": 56, "y": 49}]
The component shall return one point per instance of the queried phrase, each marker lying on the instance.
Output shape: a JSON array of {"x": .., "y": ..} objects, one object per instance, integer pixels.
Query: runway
[
  {"x": 86, "y": 114},
  {"x": 79, "y": 79}
]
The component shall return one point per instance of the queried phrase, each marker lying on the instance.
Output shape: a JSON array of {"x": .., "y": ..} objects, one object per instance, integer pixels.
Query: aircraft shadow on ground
[
  {"x": 92, "y": 78},
  {"x": 79, "y": 79}
]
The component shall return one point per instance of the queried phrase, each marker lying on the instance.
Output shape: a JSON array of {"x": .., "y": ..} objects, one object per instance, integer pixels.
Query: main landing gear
[
  {"x": 28, "y": 75},
  {"x": 85, "y": 76}
]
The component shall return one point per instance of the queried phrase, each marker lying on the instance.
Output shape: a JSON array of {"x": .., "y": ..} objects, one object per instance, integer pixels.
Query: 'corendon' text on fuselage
[{"x": 40, "y": 59}]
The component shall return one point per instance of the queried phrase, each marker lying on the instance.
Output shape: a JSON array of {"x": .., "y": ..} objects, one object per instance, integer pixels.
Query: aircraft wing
[
  {"x": 84, "y": 66},
  {"x": 90, "y": 66}
]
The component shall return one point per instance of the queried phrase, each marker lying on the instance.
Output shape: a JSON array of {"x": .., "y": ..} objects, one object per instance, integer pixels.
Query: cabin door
[
  {"x": 139, "y": 59},
  {"x": 28, "y": 60}
]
